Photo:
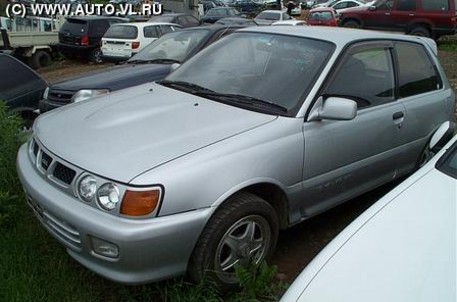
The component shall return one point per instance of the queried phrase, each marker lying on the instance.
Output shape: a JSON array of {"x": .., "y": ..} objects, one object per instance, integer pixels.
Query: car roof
[
  {"x": 322, "y": 9},
  {"x": 144, "y": 24},
  {"x": 338, "y": 35}
]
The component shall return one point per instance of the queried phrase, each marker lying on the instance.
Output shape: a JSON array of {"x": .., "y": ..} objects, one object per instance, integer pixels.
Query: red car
[{"x": 325, "y": 16}]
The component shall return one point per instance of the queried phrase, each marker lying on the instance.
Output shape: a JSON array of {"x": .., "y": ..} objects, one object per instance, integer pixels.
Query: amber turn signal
[{"x": 139, "y": 203}]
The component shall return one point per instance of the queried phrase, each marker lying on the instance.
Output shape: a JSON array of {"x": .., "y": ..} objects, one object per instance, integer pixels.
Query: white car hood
[
  {"x": 404, "y": 250},
  {"x": 126, "y": 133}
]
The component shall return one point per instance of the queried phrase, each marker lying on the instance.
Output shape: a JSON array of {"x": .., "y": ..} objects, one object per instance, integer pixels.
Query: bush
[{"x": 10, "y": 188}]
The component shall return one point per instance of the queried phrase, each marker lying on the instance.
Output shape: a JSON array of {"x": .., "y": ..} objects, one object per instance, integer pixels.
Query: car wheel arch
[
  {"x": 420, "y": 25},
  {"x": 352, "y": 20}
]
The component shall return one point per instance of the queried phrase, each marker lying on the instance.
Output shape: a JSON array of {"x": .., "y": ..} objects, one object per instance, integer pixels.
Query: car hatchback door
[{"x": 346, "y": 158}]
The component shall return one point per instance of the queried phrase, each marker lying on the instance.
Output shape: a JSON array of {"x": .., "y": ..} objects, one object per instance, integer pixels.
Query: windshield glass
[
  {"x": 277, "y": 69},
  {"x": 175, "y": 46},
  {"x": 122, "y": 32},
  {"x": 448, "y": 163}
]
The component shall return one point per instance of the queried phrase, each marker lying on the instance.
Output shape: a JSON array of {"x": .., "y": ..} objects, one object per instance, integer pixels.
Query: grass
[
  {"x": 35, "y": 267},
  {"x": 447, "y": 45}
]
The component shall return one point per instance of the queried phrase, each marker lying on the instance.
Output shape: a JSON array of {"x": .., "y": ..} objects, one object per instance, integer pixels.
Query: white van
[{"x": 123, "y": 40}]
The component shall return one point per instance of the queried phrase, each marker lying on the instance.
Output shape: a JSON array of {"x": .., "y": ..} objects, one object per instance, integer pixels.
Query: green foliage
[
  {"x": 10, "y": 188},
  {"x": 257, "y": 283},
  {"x": 447, "y": 45}
]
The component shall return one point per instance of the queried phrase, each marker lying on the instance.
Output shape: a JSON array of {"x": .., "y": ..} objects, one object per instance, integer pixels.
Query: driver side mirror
[
  {"x": 372, "y": 8},
  {"x": 334, "y": 108}
]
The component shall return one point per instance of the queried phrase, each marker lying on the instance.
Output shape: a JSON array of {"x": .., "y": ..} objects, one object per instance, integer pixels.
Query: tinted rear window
[
  {"x": 122, "y": 32},
  {"x": 75, "y": 26},
  {"x": 435, "y": 5}
]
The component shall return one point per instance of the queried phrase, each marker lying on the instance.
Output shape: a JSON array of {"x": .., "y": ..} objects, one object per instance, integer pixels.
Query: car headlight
[
  {"x": 85, "y": 94},
  {"x": 87, "y": 187},
  {"x": 108, "y": 196},
  {"x": 45, "y": 93}
]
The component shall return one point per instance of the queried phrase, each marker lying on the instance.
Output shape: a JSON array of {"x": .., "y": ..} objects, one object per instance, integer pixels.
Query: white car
[
  {"x": 346, "y": 4},
  {"x": 403, "y": 248},
  {"x": 123, "y": 40},
  {"x": 267, "y": 17},
  {"x": 290, "y": 23}
]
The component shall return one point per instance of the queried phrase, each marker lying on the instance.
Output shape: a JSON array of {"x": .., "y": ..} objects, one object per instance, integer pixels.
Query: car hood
[
  {"x": 116, "y": 77},
  {"x": 126, "y": 133},
  {"x": 401, "y": 249}
]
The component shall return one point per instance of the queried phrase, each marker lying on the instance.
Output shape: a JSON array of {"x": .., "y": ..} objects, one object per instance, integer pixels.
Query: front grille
[
  {"x": 60, "y": 96},
  {"x": 35, "y": 148},
  {"x": 66, "y": 233},
  {"x": 63, "y": 173},
  {"x": 45, "y": 161}
]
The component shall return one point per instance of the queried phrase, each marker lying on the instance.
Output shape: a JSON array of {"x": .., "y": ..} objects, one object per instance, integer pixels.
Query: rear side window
[
  {"x": 75, "y": 26},
  {"x": 122, "y": 32},
  {"x": 97, "y": 28},
  {"x": 435, "y": 5},
  {"x": 417, "y": 73},
  {"x": 365, "y": 76},
  {"x": 150, "y": 32}
]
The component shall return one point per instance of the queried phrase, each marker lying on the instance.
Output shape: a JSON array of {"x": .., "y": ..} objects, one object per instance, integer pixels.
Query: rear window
[
  {"x": 75, "y": 26},
  {"x": 320, "y": 16},
  {"x": 435, "y": 5},
  {"x": 268, "y": 16},
  {"x": 122, "y": 32}
]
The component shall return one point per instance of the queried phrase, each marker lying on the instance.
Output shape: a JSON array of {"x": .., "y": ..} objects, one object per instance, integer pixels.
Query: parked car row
[{"x": 198, "y": 171}]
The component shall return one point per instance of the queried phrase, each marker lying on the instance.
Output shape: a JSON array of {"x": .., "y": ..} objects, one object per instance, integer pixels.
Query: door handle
[
  {"x": 411, "y": 15},
  {"x": 398, "y": 115},
  {"x": 387, "y": 14}
]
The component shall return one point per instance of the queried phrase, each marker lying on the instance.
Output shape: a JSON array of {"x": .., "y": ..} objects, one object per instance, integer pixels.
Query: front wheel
[
  {"x": 351, "y": 24},
  {"x": 96, "y": 56},
  {"x": 244, "y": 230}
]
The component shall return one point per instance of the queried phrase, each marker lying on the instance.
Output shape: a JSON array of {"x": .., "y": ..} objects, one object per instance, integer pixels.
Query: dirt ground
[{"x": 297, "y": 245}]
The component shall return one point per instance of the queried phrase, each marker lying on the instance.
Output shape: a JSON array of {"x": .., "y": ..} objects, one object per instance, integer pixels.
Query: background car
[
  {"x": 343, "y": 4},
  {"x": 405, "y": 244},
  {"x": 22, "y": 89},
  {"x": 214, "y": 14},
  {"x": 236, "y": 21},
  {"x": 185, "y": 20},
  {"x": 248, "y": 7},
  {"x": 324, "y": 16},
  {"x": 152, "y": 63},
  {"x": 290, "y": 23},
  {"x": 267, "y": 17},
  {"x": 81, "y": 36},
  {"x": 123, "y": 40},
  {"x": 414, "y": 17}
]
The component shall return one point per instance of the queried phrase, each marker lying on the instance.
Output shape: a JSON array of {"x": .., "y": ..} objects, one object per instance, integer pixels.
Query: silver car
[{"x": 260, "y": 131}]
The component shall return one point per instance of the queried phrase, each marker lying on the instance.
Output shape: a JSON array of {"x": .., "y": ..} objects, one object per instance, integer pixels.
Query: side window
[
  {"x": 365, "y": 76},
  {"x": 183, "y": 21},
  {"x": 385, "y": 4},
  {"x": 417, "y": 73},
  {"x": 341, "y": 5},
  {"x": 406, "y": 5},
  {"x": 150, "y": 32},
  {"x": 435, "y": 5},
  {"x": 165, "y": 29}
]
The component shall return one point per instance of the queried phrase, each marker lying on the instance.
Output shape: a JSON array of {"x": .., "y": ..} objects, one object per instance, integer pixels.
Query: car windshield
[
  {"x": 175, "y": 46},
  {"x": 268, "y": 16},
  {"x": 448, "y": 163},
  {"x": 274, "y": 69},
  {"x": 122, "y": 32}
]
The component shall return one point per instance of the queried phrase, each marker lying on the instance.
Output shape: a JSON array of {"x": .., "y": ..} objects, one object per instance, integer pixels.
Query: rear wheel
[
  {"x": 96, "y": 56},
  {"x": 40, "y": 59},
  {"x": 351, "y": 24},
  {"x": 244, "y": 230},
  {"x": 420, "y": 31}
]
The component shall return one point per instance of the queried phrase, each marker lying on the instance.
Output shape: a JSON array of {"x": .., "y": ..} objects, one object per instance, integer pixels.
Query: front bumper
[{"x": 149, "y": 249}]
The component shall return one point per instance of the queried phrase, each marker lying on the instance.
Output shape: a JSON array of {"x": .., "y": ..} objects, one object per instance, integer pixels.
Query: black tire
[
  {"x": 40, "y": 59},
  {"x": 351, "y": 24},
  {"x": 96, "y": 56},
  {"x": 420, "y": 31},
  {"x": 246, "y": 222}
]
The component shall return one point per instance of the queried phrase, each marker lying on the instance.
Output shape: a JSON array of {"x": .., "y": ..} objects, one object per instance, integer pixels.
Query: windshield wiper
[
  {"x": 154, "y": 61},
  {"x": 186, "y": 86},
  {"x": 242, "y": 99}
]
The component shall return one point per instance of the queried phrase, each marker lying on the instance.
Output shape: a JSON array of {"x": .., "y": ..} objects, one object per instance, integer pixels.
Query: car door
[
  {"x": 403, "y": 14},
  {"x": 381, "y": 16},
  {"x": 428, "y": 104},
  {"x": 343, "y": 159},
  {"x": 150, "y": 33}
]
